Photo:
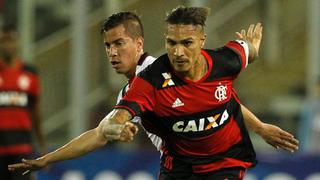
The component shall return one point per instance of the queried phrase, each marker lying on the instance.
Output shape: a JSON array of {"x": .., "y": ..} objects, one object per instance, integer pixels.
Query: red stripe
[
  {"x": 210, "y": 64},
  {"x": 143, "y": 94},
  {"x": 241, "y": 174},
  {"x": 15, "y": 118},
  {"x": 225, "y": 163},
  {"x": 16, "y": 149}
]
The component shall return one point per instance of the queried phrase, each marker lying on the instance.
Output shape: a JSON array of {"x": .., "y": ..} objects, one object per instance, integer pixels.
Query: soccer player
[
  {"x": 19, "y": 109},
  {"x": 183, "y": 131},
  {"x": 121, "y": 27}
]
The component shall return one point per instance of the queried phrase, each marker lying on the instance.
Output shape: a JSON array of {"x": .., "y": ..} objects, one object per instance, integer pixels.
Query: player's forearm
[
  {"x": 251, "y": 121},
  {"x": 253, "y": 53},
  {"x": 79, "y": 146}
]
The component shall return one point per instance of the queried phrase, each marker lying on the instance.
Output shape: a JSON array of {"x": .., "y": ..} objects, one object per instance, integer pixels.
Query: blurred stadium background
[{"x": 62, "y": 38}]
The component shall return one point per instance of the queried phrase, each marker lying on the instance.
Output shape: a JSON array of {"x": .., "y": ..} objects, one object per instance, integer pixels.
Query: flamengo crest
[{"x": 221, "y": 92}]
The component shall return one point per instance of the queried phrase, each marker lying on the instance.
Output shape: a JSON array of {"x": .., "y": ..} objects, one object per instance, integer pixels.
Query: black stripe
[
  {"x": 239, "y": 151},
  {"x": 133, "y": 105},
  {"x": 169, "y": 121},
  {"x": 153, "y": 73},
  {"x": 14, "y": 137},
  {"x": 30, "y": 68},
  {"x": 243, "y": 150},
  {"x": 249, "y": 154},
  {"x": 226, "y": 63}
]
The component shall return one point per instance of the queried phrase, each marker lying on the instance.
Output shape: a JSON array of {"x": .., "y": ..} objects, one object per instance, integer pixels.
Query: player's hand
[
  {"x": 28, "y": 165},
  {"x": 278, "y": 138},
  {"x": 122, "y": 132},
  {"x": 253, "y": 35},
  {"x": 128, "y": 132}
]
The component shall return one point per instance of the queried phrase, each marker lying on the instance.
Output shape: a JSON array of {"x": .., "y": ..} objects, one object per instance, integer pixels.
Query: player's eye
[
  {"x": 171, "y": 42},
  {"x": 187, "y": 43},
  {"x": 119, "y": 43},
  {"x": 107, "y": 45}
]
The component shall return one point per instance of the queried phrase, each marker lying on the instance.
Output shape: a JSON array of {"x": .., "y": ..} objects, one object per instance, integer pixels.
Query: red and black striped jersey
[
  {"x": 200, "y": 122},
  {"x": 19, "y": 90}
]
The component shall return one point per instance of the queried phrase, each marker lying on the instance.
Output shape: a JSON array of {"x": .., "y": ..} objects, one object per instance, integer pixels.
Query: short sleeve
[
  {"x": 242, "y": 49},
  {"x": 139, "y": 98}
]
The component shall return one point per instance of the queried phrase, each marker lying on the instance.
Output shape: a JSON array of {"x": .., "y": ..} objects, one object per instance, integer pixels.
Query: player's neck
[
  {"x": 199, "y": 69},
  {"x": 132, "y": 72},
  {"x": 130, "y": 75}
]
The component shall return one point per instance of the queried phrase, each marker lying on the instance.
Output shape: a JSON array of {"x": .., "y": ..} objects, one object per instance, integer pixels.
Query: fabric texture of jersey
[
  {"x": 144, "y": 61},
  {"x": 200, "y": 122},
  {"x": 19, "y": 90}
]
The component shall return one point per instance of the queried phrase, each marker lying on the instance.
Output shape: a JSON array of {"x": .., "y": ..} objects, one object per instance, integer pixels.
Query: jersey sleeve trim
[
  {"x": 241, "y": 48},
  {"x": 133, "y": 114},
  {"x": 131, "y": 106}
]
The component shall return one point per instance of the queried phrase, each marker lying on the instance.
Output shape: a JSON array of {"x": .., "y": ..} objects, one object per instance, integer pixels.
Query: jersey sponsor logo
[
  {"x": 168, "y": 81},
  {"x": 202, "y": 124},
  {"x": 24, "y": 82},
  {"x": 13, "y": 99},
  {"x": 177, "y": 103},
  {"x": 221, "y": 93}
]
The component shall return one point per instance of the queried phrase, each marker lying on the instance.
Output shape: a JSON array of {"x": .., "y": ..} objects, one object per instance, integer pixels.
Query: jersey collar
[
  {"x": 140, "y": 62},
  {"x": 142, "y": 58}
]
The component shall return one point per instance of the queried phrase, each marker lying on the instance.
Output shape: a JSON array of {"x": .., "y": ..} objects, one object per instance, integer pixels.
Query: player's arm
[
  {"x": 253, "y": 38},
  {"x": 35, "y": 115},
  {"x": 115, "y": 126},
  {"x": 272, "y": 134}
]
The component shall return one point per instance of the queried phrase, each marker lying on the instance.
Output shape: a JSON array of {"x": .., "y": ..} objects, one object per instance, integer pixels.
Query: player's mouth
[
  {"x": 180, "y": 62},
  {"x": 115, "y": 64}
]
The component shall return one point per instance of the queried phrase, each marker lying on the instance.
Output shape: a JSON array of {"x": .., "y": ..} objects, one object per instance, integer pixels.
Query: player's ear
[
  {"x": 203, "y": 40},
  {"x": 140, "y": 42}
]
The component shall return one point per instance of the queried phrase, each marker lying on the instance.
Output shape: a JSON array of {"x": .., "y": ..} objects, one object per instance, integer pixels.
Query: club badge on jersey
[{"x": 221, "y": 93}]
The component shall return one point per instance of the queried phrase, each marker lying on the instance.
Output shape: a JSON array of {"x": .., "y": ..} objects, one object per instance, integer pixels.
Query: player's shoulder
[
  {"x": 155, "y": 71},
  {"x": 221, "y": 51},
  {"x": 157, "y": 66},
  {"x": 225, "y": 62},
  {"x": 147, "y": 60}
]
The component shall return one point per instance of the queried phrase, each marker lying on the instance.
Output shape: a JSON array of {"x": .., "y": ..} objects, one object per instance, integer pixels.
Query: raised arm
[
  {"x": 115, "y": 126},
  {"x": 253, "y": 38},
  {"x": 272, "y": 134}
]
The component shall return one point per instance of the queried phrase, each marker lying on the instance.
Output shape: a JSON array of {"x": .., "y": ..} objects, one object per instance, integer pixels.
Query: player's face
[
  {"x": 184, "y": 44},
  {"x": 122, "y": 50},
  {"x": 8, "y": 45}
]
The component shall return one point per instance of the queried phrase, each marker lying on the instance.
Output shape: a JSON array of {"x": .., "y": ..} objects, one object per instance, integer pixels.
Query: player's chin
[
  {"x": 181, "y": 68},
  {"x": 119, "y": 71}
]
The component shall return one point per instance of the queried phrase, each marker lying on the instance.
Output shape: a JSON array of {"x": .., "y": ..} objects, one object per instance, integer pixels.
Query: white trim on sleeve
[{"x": 246, "y": 49}]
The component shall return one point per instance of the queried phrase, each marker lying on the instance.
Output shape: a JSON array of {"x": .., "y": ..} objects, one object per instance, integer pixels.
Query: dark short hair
[
  {"x": 188, "y": 15},
  {"x": 130, "y": 20}
]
